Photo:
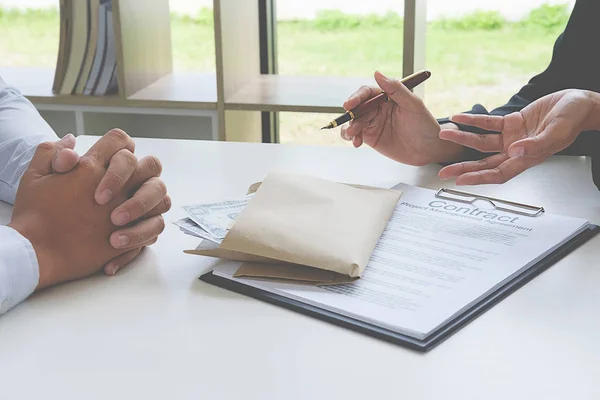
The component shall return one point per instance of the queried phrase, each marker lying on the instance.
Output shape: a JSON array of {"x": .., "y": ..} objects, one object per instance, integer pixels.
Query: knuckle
[
  {"x": 488, "y": 120},
  {"x": 483, "y": 163},
  {"x": 115, "y": 178},
  {"x": 161, "y": 224},
  {"x": 482, "y": 139},
  {"x": 141, "y": 205},
  {"x": 129, "y": 158},
  {"x": 501, "y": 177},
  {"x": 45, "y": 146},
  {"x": 118, "y": 135},
  {"x": 167, "y": 203},
  {"x": 162, "y": 187},
  {"x": 154, "y": 165},
  {"x": 139, "y": 237},
  {"x": 88, "y": 162},
  {"x": 480, "y": 177}
]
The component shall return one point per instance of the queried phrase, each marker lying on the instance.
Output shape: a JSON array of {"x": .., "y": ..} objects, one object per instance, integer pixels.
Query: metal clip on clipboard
[{"x": 498, "y": 204}]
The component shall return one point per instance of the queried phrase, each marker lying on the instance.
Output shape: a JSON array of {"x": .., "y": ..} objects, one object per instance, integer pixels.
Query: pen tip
[{"x": 327, "y": 127}]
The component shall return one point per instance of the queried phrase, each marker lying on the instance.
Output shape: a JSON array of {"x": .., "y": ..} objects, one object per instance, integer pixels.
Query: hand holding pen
[
  {"x": 401, "y": 128},
  {"x": 410, "y": 82}
]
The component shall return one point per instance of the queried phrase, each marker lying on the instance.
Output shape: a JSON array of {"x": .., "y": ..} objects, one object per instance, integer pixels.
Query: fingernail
[
  {"x": 105, "y": 196},
  {"x": 516, "y": 152},
  {"x": 114, "y": 269},
  {"x": 122, "y": 241},
  {"x": 122, "y": 218}
]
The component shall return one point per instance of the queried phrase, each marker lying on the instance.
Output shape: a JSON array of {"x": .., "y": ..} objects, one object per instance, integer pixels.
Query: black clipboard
[{"x": 452, "y": 326}]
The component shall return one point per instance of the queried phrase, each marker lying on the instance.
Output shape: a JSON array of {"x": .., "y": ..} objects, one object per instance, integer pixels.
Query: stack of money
[{"x": 211, "y": 221}]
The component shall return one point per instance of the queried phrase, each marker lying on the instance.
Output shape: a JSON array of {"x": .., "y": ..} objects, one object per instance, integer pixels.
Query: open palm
[{"x": 526, "y": 138}]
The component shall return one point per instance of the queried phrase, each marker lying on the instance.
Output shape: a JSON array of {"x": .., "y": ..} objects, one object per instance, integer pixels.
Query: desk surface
[{"x": 156, "y": 332}]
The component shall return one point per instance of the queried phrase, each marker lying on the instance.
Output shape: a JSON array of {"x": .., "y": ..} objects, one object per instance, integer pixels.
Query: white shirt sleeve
[
  {"x": 19, "y": 270},
  {"x": 22, "y": 129}
]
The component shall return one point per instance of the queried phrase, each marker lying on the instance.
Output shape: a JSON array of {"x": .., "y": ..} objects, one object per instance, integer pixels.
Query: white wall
[{"x": 293, "y": 9}]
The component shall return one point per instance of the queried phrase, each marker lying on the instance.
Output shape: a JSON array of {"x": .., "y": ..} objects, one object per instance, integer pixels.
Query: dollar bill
[
  {"x": 217, "y": 218},
  {"x": 186, "y": 225}
]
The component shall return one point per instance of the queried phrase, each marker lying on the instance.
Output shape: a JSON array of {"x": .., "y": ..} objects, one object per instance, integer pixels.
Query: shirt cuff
[{"x": 19, "y": 269}]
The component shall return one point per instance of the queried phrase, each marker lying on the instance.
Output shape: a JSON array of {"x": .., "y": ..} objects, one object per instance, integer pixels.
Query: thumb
[
  {"x": 533, "y": 147},
  {"x": 548, "y": 142},
  {"x": 41, "y": 163},
  {"x": 394, "y": 88},
  {"x": 64, "y": 161},
  {"x": 67, "y": 142},
  {"x": 65, "y": 158}
]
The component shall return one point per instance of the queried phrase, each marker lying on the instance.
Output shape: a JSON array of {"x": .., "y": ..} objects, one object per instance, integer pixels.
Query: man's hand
[
  {"x": 402, "y": 129},
  {"x": 59, "y": 215},
  {"x": 139, "y": 215},
  {"x": 527, "y": 138}
]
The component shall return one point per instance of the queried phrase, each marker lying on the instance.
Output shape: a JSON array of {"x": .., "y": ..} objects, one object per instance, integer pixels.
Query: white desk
[{"x": 156, "y": 332}]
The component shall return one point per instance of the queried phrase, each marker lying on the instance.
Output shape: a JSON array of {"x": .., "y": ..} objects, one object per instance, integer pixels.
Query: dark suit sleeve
[{"x": 575, "y": 64}]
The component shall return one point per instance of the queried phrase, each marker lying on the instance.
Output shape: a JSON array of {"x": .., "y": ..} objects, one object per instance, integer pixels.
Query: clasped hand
[
  {"x": 526, "y": 138},
  {"x": 82, "y": 214}
]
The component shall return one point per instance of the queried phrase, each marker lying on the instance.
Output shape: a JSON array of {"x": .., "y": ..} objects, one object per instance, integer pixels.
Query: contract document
[{"x": 436, "y": 259}]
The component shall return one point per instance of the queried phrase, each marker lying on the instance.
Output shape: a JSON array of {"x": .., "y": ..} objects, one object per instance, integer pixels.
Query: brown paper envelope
[
  {"x": 290, "y": 273},
  {"x": 298, "y": 274},
  {"x": 264, "y": 268},
  {"x": 309, "y": 221},
  {"x": 230, "y": 255},
  {"x": 210, "y": 249}
]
